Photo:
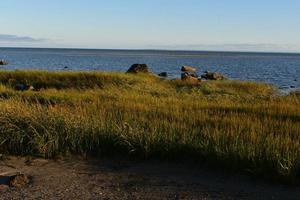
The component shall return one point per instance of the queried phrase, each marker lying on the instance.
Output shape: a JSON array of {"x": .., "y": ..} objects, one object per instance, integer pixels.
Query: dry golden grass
[{"x": 232, "y": 124}]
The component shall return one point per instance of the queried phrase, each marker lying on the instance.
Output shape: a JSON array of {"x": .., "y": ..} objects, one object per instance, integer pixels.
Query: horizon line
[{"x": 154, "y": 49}]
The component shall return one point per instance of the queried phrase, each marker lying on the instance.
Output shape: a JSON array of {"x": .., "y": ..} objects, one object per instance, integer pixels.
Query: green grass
[{"x": 230, "y": 124}]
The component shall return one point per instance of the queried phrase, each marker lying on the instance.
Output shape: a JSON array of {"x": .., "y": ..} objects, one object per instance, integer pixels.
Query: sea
[{"x": 280, "y": 69}]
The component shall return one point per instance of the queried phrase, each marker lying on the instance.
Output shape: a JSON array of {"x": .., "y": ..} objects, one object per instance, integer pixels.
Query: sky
[{"x": 227, "y": 25}]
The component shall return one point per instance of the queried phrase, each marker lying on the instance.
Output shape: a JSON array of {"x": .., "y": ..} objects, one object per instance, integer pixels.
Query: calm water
[{"x": 282, "y": 70}]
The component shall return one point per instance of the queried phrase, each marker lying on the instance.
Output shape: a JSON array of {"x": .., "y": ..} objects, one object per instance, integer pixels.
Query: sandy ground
[{"x": 78, "y": 178}]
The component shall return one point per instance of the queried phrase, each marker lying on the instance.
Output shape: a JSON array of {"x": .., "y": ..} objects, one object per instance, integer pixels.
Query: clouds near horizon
[
  {"x": 27, "y": 41},
  {"x": 16, "y": 38},
  {"x": 231, "y": 25}
]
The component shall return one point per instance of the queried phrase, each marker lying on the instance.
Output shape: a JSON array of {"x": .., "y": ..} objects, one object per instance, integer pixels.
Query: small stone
[{"x": 163, "y": 74}]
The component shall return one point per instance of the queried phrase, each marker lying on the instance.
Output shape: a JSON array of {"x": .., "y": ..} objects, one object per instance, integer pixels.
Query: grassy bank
[{"x": 236, "y": 125}]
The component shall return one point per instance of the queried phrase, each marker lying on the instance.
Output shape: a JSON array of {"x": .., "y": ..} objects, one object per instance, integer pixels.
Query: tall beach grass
[{"x": 232, "y": 124}]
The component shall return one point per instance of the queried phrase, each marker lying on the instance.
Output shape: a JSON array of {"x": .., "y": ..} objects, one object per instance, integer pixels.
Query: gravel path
[{"x": 76, "y": 178}]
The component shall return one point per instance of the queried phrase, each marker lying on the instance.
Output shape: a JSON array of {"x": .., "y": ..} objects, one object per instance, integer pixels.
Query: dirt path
[{"x": 114, "y": 179}]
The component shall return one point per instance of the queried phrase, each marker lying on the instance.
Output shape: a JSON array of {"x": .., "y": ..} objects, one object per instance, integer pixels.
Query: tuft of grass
[{"x": 232, "y": 124}]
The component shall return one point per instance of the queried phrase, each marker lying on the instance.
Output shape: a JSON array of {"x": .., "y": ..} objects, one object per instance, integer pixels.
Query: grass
[{"x": 230, "y": 124}]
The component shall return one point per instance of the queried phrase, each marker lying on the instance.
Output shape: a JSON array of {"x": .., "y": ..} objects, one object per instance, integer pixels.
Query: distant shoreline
[
  {"x": 158, "y": 50},
  {"x": 280, "y": 69}
]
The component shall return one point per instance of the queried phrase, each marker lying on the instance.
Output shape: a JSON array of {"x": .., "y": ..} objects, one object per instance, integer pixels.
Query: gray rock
[{"x": 163, "y": 74}]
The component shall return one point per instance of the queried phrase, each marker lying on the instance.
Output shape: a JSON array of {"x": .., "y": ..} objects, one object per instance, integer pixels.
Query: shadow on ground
[{"x": 77, "y": 178}]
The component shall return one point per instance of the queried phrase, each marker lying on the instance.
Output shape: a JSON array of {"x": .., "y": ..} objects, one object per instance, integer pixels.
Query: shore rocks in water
[
  {"x": 213, "y": 76},
  {"x": 139, "y": 68},
  {"x": 23, "y": 87},
  {"x": 163, "y": 74},
  {"x": 190, "y": 77},
  {"x": 3, "y": 62},
  {"x": 189, "y": 74},
  {"x": 186, "y": 68}
]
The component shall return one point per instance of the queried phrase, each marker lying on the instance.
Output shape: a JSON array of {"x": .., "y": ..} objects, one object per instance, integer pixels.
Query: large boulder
[
  {"x": 186, "y": 68},
  {"x": 213, "y": 76},
  {"x": 139, "y": 68}
]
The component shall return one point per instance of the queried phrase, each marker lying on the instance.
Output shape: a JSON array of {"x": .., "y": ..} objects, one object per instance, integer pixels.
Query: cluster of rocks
[{"x": 189, "y": 73}]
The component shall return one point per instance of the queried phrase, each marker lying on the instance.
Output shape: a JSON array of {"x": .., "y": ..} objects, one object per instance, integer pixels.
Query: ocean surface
[{"x": 279, "y": 69}]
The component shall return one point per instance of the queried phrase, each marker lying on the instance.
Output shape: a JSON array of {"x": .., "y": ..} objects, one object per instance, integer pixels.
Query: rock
[
  {"x": 18, "y": 180},
  {"x": 213, "y": 76},
  {"x": 22, "y": 87},
  {"x": 194, "y": 75},
  {"x": 188, "y": 77},
  {"x": 139, "y": 68},
  {"x": 3, "y": 62},
  {"x": 188, "y": 69},
  {"x": 163, "y": 74},
  {"x": 184, "y": 76}
]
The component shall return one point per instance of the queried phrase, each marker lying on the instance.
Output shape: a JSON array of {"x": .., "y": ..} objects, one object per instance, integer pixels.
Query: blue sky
[{"x": 256, "y": 25}]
